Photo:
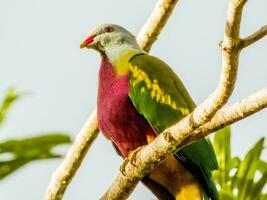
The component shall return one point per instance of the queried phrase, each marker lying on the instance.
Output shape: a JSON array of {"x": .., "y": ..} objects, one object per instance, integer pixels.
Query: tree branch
[
  {"x": 239, "y": 110},
  {"x": 157, "y": 20},
  {"x": 180, "y": 134},
  {"x": 224, "y": 117},
  {"x": 254, "y": 37},
  {"x": 72, "y": 161}
]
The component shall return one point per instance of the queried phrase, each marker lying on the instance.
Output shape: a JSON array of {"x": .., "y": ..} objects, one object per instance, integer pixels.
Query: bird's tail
[
  {"x": 176, "y": 182},
  {"x": 206, "y": 181}
]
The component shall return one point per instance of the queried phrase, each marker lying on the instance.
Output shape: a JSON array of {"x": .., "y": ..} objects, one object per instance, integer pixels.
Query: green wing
[{"x": 160, "y": 96}]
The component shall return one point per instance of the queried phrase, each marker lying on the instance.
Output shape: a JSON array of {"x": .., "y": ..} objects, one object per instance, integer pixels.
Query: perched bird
[{"x": 138, "y": 97}]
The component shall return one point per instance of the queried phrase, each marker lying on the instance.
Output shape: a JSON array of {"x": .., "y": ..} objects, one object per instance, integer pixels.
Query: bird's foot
[{"x": 130, "y": 159}]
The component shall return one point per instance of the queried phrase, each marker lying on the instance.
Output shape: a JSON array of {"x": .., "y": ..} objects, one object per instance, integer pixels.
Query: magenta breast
[{"x": 117, "y": 117}]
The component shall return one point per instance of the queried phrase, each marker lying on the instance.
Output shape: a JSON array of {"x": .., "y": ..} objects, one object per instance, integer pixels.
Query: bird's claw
[
  {"x": 123, "y": 166},
  {"x": 131, "y": 158}
]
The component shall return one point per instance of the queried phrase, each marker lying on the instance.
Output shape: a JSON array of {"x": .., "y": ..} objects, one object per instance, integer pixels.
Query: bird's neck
[{"x": 119, "y": 56}]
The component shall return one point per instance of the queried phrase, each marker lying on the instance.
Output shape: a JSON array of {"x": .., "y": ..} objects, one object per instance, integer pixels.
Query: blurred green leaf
[
  {"x": 237, "y": 178},
  {"x": 222, "y": 147},
  {"x": 262, "y": 197},
  {"x": 26, "y": 150},
  {"x": 10, "y": 97},
  {"x": 226, "y": 195},
  {"x": 18, "y": 152},
  {"x": 256, "y": 192},
  {"x": 243, "y": 179}
]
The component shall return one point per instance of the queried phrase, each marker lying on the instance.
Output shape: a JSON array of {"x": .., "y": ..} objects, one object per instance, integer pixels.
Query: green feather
[{"x": 160, "y": 96}]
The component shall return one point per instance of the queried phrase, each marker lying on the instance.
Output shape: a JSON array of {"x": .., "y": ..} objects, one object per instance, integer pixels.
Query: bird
[{"x": 139, "y": 96}]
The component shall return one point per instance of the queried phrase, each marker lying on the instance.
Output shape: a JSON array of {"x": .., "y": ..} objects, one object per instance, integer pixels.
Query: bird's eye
[{"x": 109, "y": 29}]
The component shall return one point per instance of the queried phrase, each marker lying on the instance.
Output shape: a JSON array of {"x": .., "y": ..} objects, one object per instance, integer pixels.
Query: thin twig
[
  {"x": 254, "y": 37},
  {"x": 179, "y": 134},
  {"x": 67, "y": 169}
]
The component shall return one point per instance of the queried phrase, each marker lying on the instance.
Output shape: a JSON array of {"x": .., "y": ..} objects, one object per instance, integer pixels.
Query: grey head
[{"x": 109, "y": 36}]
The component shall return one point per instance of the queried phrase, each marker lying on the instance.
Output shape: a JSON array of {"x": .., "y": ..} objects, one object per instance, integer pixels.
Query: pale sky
[{"x": 39, "y": 48}]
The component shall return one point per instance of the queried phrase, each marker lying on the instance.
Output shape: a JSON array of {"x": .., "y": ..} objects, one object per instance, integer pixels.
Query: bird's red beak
[{"x": 89, "y": 40}]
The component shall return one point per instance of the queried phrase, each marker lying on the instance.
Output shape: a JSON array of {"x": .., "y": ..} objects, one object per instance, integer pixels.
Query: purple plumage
[{"x": 117, "y": 117}]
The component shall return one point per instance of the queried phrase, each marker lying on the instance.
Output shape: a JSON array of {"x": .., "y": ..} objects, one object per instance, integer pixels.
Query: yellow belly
[{"x": 176, "y": 179}]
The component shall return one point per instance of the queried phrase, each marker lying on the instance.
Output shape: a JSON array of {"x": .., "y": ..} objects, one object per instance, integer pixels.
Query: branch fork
[{"x": 206, "y": 118}]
